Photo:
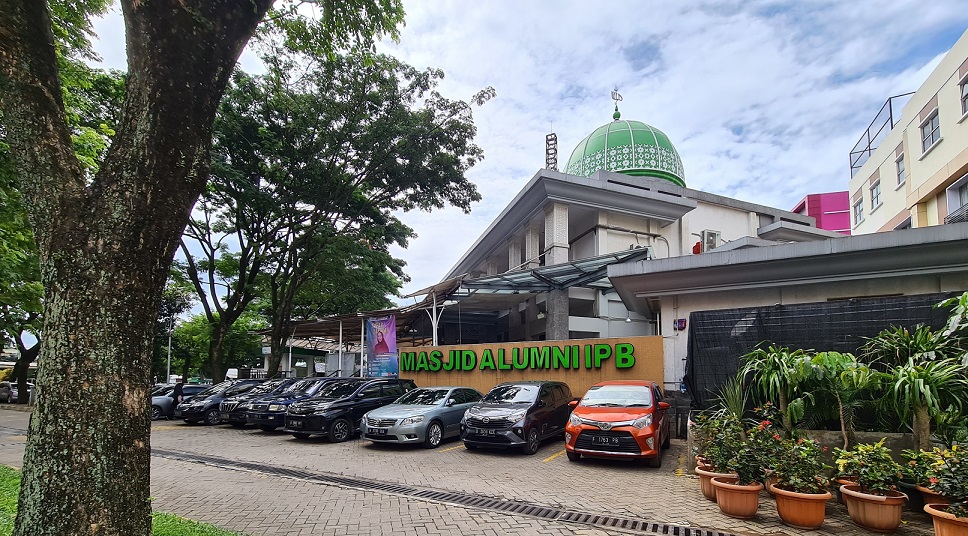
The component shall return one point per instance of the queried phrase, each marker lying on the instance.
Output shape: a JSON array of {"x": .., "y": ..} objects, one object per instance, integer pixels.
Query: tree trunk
[
  {"x": 216, "y": 353},
  {"x": 922, "y": 427},
  {"x": 106, "y": 244},
  {"x": 843, "y": 420},
  {"x": 782, "y": 405}
]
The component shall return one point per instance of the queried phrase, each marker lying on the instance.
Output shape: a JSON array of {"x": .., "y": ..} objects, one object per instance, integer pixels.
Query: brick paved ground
[{"x": 263, "y": 504}]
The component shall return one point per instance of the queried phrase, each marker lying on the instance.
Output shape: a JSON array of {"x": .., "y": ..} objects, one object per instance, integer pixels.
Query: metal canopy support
[
  {"x": 362, "y": 347},
  {"x": 339, "y": 367}
]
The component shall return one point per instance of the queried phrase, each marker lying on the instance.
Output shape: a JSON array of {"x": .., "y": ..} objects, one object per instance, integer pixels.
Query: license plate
[
  {"x": 378, "y": 431},
  {"x": 295, "y": 424},
  {"x": 178, "y": 413},
  {"x": 224, "y": 416},
  {"x": 481, "y": 431},
  {"x": 604, "y": 440}
]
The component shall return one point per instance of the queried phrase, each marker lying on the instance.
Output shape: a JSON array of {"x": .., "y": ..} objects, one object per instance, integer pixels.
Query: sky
[{"x": 763, "y": 99}]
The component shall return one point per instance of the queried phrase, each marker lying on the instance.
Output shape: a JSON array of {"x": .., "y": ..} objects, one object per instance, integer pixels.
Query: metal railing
[
  {"x": 879, "y": 128},
  {"x": 958, "y": 216}
]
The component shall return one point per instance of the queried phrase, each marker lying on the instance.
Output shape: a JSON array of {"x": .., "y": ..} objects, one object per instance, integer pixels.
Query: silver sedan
[{"x": 426, "y": 415}]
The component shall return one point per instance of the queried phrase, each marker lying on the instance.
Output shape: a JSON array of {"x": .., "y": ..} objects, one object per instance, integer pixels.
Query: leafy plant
[
  {"x": 732, "y": 397},
  {"x": 957, "y": 320},
  {"x": 923, "y": 389},
  {"x": 872, "y": 464},
  {"x": 775, "y": 371},
  {"x": 800, "y": 467},
  {"x": 898, "y": 345},
  {"x": 761, "y": 450},
  {"x": 842, "y": 377},
  {"x": 918, "y": 464},
  {"x": 951, "y": 428},
  {"x": 949, "y": 477},
  {"x": 726, "y": 440}
]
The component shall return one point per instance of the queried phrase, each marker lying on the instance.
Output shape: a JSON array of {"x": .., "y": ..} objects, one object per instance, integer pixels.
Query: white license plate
[
  {"x": 378, "y": 431},
  {"x": 604, "y": 440},
  {"x": 481, "y": 431},
  {"x": 295, "y": 424},
  {"x": 224, "y": 416}
]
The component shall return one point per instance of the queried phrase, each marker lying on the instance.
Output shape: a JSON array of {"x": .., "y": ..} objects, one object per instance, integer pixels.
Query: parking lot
[{"x": 270, "y": 483}]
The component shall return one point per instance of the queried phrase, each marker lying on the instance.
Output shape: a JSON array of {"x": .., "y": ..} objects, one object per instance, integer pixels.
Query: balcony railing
[
  {"x": 882, "y": 124},
  {"x": 958, "y": 216}
]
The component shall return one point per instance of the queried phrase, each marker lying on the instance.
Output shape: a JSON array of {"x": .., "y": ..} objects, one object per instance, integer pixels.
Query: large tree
[
  {"x": 309, "y": 162},
  {"x": 106, "y": 239}
]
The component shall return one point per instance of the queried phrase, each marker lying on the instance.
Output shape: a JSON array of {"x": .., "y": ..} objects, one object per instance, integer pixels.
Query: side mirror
[
  {"x": 664, "y": 405},
  {"x": 573, "y": 403},
  {"x": 541, "y": 404},
  {"x": 451, "y": 402}
]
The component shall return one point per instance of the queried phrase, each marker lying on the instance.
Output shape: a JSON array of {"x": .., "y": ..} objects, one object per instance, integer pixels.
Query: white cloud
[{"x": 763, "y": 99}]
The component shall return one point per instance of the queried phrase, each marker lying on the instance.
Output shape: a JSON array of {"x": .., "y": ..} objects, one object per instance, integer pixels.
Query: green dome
[{"x": 629, "y": 147}]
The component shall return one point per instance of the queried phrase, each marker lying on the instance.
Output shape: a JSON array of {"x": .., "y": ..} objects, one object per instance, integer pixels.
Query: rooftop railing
[{"x": 879, "y": 128}]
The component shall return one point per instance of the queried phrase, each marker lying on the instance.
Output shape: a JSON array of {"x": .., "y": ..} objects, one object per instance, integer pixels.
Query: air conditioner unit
[{"x": 710, "y": 239}]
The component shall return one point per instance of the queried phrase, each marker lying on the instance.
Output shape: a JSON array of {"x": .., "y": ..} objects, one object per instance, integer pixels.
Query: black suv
[
  {"x": 517, "y": 414},
  {"x": 269, "y": 412},
  {"x": 232, "y": 410},
  {"x": 338, "y": 408},
  {"x": 204, "y": 406}
]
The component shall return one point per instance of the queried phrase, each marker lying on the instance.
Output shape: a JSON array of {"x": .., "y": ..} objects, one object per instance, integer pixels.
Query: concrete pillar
[
  {"x": 556, "y": 252},
  {"x": 514, "y": 254},
  {"x": 491, "y": 267},
  {"x": 532, "y": 246}
]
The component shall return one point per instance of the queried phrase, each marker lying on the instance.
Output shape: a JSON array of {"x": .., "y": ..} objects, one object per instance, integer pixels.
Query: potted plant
[
  {"x": 914, "y": 476},
  {"x": 801, "y": 489},
  {"x": 724, "y": 439},
  {"x": 949, "y": 476},
  {"x": 873, "y": 502},
  {"x": 739, "y": 495},
  {"x": 776, "y": 373}
]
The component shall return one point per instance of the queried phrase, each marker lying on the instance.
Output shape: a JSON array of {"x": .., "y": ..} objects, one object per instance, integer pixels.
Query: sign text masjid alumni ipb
[{"x": 548, "y": 357}]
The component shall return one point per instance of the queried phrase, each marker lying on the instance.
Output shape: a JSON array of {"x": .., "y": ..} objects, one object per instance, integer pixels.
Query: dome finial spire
[{"x": 616, "y": 96}]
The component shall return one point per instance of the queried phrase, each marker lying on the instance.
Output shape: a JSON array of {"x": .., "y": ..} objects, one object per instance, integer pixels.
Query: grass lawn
[{"x": 162, "y": 524}]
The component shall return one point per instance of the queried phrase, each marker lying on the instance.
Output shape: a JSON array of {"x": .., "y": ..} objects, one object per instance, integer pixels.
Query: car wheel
[
  {"x": 267, "y": 428},
  {"x": 667, "y": 441},
  {"x": 339, "y": 431},
  {"x": 533, "y": 442},
  {"x": 301, "y": 436},
  {"x": 155, "y": 413},
  {"x": 657, "y": 461},
  {"x": 435, "y": 434},
  {"x": 211, "y": 416},
  {"x": 572, "y": 456}
]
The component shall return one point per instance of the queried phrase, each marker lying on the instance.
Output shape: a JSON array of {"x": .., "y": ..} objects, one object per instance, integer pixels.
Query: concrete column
[
  {"x": 556, "y": 252},
  {"x": 491, "y": 267},
  {"x": 532, "y": 246},
  {"x": 556, "y": 234},
  {"x": 514, "y": 254}
]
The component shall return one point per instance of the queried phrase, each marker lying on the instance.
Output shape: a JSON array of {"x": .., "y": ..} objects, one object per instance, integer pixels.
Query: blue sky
[{"x": 763, "y": 99}]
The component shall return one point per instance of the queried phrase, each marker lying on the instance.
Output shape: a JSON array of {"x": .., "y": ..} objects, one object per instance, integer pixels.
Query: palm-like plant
[
  {"x": 841, "y": 376},
  {"x": 775, "y": 371},
  {"x": 897, "y": 345},
  {"x": 925, "y": 388}
]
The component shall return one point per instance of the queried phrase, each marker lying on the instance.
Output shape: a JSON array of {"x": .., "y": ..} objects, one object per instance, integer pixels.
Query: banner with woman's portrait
[{"x": 381, "y": 347}]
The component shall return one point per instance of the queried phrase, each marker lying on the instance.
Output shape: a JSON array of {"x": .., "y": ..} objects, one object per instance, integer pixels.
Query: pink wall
[{"x": 831, "y": 210}]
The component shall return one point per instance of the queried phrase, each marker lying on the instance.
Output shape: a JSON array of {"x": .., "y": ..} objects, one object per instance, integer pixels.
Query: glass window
[
  {"x": 372, "y": 391},
  {"x": 876, "y": 195},
  {"x": 339, "y": 389},
  {"x": 559, "y": 393},
  {"x": 423, "y": 397},
  {"x": 618, "y": 396},
  {"x": 963, "y": 194},
  {"x": 964, "y": 97},
  {"x": 858, "y": 212},
  {"x": 901, "y": 174},
  {"x": 512, "y": 394},
  {"x": 547, "y": 396},
  {"x": 930, "y": 131},
  {"x": 393, "y": 389}
]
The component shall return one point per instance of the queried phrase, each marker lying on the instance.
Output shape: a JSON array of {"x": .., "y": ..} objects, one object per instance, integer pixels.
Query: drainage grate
[{"x": 450, "y": 497}]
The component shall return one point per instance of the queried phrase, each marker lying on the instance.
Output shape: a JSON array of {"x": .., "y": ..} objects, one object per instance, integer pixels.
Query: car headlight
[
  {"x": 278, "y": 407},
  {"x": 245, "y": 406},
  {"x": 643, "y": 422},
  {"x": 467, "y": 414},
  {"x": 412, "y": 420},
  {"x": 517, "y": 415},
  {"x": 574, "y": 419}
]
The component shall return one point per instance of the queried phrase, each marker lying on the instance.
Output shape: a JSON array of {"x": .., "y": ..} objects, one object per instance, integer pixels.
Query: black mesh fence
[{"x": 717, "y": 339}]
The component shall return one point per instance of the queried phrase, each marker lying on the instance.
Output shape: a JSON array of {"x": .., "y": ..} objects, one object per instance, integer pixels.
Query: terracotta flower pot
[
  {"x": 946, "y": 524},
  {"x": 737, "y": 500},
  {"x": 879, "y": 513},
  {"x": 705, "y": 482},
  {"x": 801, "y": 510},
  {"x": 769, "y": 482},
  {"x": 841, "y": 480},
  {"x": 931, "y": 496}
]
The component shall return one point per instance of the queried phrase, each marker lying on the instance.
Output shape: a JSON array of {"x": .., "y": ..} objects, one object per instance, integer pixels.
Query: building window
[
  {"x": 875, "y": 195},
  {"x": 963, "y": 194},
  {"x": 901, "y": 174},
  {"x": 964, "y": 97},
  {"x": 858, "y": 212},
  {"x": 930, "y": 131}
]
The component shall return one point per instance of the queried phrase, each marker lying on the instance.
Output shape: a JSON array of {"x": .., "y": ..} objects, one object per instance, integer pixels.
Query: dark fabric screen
[{"x": 717, "y": 339}]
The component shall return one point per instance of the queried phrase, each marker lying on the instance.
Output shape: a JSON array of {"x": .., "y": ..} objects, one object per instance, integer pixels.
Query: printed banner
[{"x": 381, "y": 347}]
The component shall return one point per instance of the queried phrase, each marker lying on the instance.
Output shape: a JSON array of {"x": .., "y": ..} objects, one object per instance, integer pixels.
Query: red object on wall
[{"x": 697, "y": 249}]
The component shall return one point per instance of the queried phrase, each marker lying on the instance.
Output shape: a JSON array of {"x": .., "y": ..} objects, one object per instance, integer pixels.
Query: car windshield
[
  {"x": 617, "y": 396},
  {"x": 338, "y": 390},
  {"x": 266, "y": 387},
  {"x": 512, "y": 394},
  {"x": 423, "y": 397},
  {"x": 213, "y": 390},
  {"x": 239, "y": 388},
  {"x": 302, "y": 387},
  {"x": 163, "y": 392}
]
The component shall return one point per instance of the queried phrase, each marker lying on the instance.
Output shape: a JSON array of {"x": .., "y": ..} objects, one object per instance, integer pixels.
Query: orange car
[{"x": 619, "y": 419}]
